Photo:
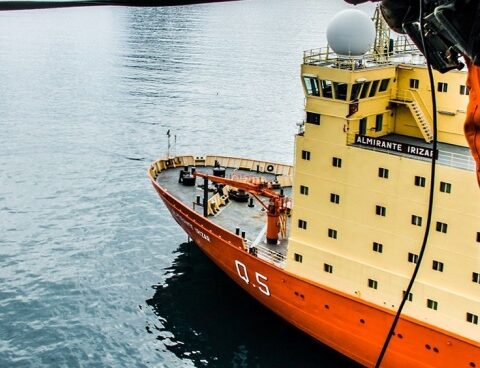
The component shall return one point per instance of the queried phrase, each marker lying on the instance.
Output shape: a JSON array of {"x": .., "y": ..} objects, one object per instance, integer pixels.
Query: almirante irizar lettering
[{"x": 394, "y": 146}]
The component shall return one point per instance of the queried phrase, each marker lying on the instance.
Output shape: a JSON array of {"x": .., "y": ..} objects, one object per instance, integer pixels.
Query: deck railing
[{"x": 269, "y": 255}]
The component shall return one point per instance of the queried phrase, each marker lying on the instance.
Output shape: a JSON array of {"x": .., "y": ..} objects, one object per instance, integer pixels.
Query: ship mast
[{"x": 382, "y": 46}]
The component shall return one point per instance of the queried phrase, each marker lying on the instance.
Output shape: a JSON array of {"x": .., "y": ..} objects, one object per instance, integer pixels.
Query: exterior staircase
[{"x": 418, "y": 110}]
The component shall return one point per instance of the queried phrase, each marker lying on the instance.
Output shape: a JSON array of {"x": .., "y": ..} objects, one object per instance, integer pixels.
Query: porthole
[{"x": 428, "y": 347}]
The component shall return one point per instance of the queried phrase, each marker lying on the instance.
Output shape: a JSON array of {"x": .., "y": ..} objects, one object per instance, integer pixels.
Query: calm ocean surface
[{"x": 93, "y": 272}]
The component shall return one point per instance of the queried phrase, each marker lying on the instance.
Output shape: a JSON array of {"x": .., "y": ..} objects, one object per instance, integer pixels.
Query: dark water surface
[{"x": 93, "y": 272}]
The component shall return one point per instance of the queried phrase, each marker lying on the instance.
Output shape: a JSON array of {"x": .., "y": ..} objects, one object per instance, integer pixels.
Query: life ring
[{"x": 270, "y": 168}]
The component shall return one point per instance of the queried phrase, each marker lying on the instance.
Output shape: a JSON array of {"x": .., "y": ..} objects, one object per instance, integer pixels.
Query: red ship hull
[{"x": 351, "y": 326}]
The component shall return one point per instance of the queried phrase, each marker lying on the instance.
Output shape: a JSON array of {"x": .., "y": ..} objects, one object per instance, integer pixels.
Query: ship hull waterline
[{"x": 349, "y": 325}]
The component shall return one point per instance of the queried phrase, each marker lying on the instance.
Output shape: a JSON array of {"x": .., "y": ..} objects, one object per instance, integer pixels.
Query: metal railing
[
  {"x": 456, "y": 160},
  {"x": 266, "y": 254}
]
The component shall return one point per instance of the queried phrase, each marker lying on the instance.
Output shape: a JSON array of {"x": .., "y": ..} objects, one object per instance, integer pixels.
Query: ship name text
[
  {"x": 180, "y": 219},
  {"x": 394, "y": 146}
]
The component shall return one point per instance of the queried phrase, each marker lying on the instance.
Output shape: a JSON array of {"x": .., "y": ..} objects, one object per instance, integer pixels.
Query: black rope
[{"x": 430, "y": 200}]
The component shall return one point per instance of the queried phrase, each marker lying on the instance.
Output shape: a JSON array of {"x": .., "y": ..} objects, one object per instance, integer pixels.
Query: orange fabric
[{"x": 472, "y": 122}]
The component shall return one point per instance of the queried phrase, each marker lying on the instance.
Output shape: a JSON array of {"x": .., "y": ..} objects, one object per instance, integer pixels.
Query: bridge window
[
  {"x": 356, "y": 88},
  {"x": 384, "y": 85},
  {"x": 373, "y": 90},
  {"x": 311, "y": 85},
  {"x": 412, "y": 258},
  {"x": 414, "y": 83},
  {"x": 464, "y": 90},
  {"x": 419, "y": 181},
  {"x": 432, "y": 304},
  {"x": 442, "y": 87},
  {"x": 313, "y": 118},
  {"x": 365, "y": 88},
  {"x": 378, "y": 122},
  {"x": 327, "y": 90},
  {"x": 340, "y": 90}
]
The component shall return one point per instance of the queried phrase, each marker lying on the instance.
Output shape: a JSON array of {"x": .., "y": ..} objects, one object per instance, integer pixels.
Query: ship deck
[
  {"x": 232, "y": 215},
  {"x": 448, "y": 154}
]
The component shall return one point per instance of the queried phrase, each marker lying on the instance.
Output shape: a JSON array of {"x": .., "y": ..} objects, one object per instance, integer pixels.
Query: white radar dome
[{"x": 350, "y": 33}]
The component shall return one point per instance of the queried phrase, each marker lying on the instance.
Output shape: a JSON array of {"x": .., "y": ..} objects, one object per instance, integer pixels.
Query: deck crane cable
[{"x": 430, "y": 200}]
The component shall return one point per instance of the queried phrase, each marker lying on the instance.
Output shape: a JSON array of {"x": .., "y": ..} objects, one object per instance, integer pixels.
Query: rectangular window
[
  {"x": 328, "y": 268},
  {"x": 303, "y": 190},
  {"x": 332, "y": 233},
  {"x": 340, "y": 90},
  {"x": 478, "y": 237},
  {"x": 412, "y": 258},
  {"x": 362, "y": 127},
  {"x": 378, "y": 122},
  {"x": 409, "y": 297},
  {"x": 464, "y": 90},
  {"x": 327, "y": 90},
  {"x": 437, "y": 266},
  {"x": 476, "y": 277},
  {"x": 372, "y": 284},
  {"x": 313, "y": 118},
  {"x": 298, "y": 257},
  {"x": 373, "y": 90},
  {"x": 365, "y": 88},
  {"x": 414, "y": 83},
  {"x": 441, "y": 227},
  {"x": 472, "y": 318},
  {"x": 442, "y": 87},
  {"x": 311, "y": 86},
  {"x": 432, "y": 304},
  {"x": 334, "y": 198},
  {"x": 445, "y": 187},
  {"x": 378, "y": 247},
  {"x": 306, "y": 155},
  {"x": 383, "y": 173},
  {"x": 302, "y": 224},
  {"x": 337, "y": 162},
  {"x": 384, "y": 85},
  {"x": 380, "y": 210},
  {"x": 416, "y": 220},
  {"x": 419, "y": 181},
  {"x": 355, "y": 91}
]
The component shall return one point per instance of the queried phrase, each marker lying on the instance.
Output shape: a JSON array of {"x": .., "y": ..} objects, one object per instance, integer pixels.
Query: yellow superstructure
[{"x": 360, "y": 208}]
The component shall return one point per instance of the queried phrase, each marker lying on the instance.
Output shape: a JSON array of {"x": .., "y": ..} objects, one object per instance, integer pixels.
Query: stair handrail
[{"x": 408, "y": 95}]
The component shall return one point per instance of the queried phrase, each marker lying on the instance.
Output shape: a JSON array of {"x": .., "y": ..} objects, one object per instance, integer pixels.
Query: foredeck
[
  {"x": 250, "y": 220},
  {"x": 448, "y": 154}
]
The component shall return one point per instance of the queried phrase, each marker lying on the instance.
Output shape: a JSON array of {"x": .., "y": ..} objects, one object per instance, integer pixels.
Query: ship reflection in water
[{"x": 206, "y": 318}]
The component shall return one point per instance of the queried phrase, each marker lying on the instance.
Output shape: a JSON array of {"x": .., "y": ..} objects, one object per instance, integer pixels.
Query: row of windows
[
  {"x": 441, "y": 87},
  {"x": 363, "y": 124},
  {"x": 419, "y": 181},
  {"x": 339, "y": 90},
  {"x": 373, "y": 284}
]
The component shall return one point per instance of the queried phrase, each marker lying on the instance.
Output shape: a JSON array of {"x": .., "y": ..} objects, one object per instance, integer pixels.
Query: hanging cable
[{"x": 430, "y": 200}]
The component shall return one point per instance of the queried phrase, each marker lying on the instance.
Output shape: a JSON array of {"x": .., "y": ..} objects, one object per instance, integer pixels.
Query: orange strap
[{"x": 472, "y": 122}]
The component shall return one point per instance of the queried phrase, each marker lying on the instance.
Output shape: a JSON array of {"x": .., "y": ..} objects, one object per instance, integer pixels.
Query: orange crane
[{"x": 277, "y": 205}]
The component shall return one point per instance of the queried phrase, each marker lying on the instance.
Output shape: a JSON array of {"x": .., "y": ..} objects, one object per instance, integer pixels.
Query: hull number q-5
[{"x": 259, "y": 278}]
